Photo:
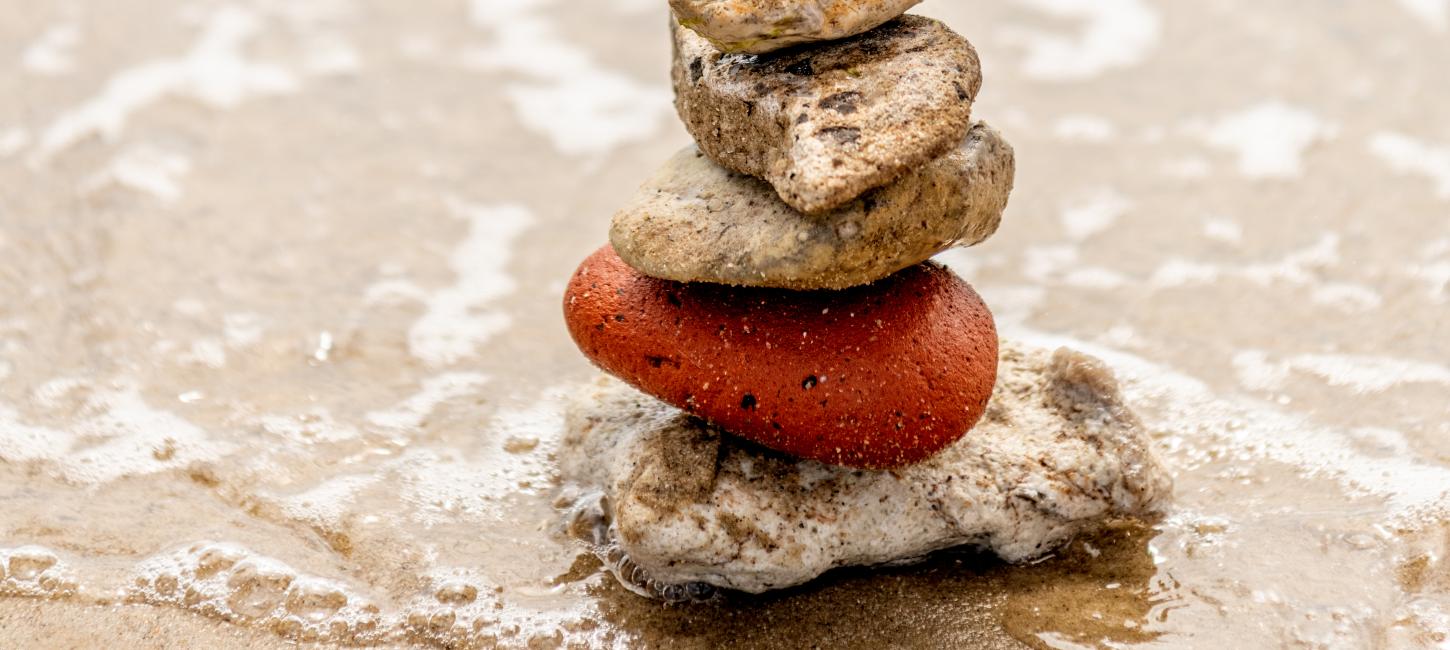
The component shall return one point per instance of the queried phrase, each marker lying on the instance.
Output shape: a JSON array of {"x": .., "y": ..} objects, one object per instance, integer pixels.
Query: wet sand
[
  {"x": 70, "y": 625},
  {"x": 281, "y": 353}
]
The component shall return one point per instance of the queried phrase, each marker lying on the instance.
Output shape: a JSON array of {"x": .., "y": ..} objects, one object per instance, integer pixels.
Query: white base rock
[{"x": 675, "y": 508}]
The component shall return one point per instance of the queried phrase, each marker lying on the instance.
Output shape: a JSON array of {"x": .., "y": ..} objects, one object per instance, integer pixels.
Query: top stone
[
  {"x": 760, "y": 26},
  {"x": 825, "y": 124}
]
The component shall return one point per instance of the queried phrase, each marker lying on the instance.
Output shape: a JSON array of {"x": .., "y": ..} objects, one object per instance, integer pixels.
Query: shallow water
[{"x": 281, "y": 354}]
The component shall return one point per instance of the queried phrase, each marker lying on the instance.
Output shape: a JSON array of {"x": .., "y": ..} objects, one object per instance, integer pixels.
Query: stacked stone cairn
[{"x": 769, "y": 290}]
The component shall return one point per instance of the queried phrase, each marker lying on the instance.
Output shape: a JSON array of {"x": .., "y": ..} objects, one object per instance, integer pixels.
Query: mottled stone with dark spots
[
  {"x": 826, "y": 123},
  {"x": 695, "y": 221}
]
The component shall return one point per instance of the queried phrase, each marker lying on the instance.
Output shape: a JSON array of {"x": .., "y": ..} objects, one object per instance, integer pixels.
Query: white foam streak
[
  {"x": 591, "y": 114},
  {"x": 314, "y": 426},
  {"x": 1178, "y": 272},
  {"x": 50, "y": 55},
  {"x": 1094, "y": 214},
  {"x": 1407, "y": 155},
  {"x": 1014, "y": 304},
  {"x": 1224, "y": 230},
  {"x": 12, "y": 141},
  {"x": 1042, "y": 263},
  {"x": 1346, "y": 296},
  {"x": 243, "y": 329},
  {"x": 1085, "y": 128},
  {"x": 214, "y": 72},
  {"x": 1299, "y": 267},
  {"x": 145, "y": 168},
  {"x": 1270, "y": 139},
  {"x": 123, "y": 436},
  {"x": 1363, "y": 374},
  {"x": 451, "y": 328},
  {"x": 1412, "y": 489},
  {"x": 1093, "y": 277},
  {"x": 1115, "y": 34},
  {"x": 1437, "y": 277},
  {"x": 20, "y": 442},
  {"x": 581, "y": 106},
  {"x": 411, "y": 413},
  {"x": 443, "y": 485},
  {"x": 328, "y": 502},
  {"x": 1434, "y": 13}
]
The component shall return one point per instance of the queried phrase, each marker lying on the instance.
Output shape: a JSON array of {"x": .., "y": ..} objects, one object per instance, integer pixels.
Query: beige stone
[
  {"x": 759, "y": 26},
  {"x": 677, "y": 508},
  {"x": 825, "y": 124},
  {"x": 695, "y": 221}
]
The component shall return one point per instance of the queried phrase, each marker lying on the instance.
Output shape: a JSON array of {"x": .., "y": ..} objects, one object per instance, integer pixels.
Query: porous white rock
[{"x": 675, "y": 508}]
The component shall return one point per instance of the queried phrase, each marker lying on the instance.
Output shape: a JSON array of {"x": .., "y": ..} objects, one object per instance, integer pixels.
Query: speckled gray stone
[
  {"x": 759, "y": 26},
  {"x": 695, "y": 221},
  {"x": 676, "y": 508},
  {"x": 824, "y": 124}
]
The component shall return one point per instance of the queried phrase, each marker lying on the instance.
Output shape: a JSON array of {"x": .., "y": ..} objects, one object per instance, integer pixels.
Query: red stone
[{"x": 878, "y": 376}]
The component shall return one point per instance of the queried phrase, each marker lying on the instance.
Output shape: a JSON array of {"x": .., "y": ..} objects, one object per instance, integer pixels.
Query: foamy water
[
  {"x": 1408, "y": 155},
  {"x": 280, "y": 343},
  {"x": 214, "y": 71},
  {"x": 582, "y": 106},
  {"x": 1112, "y": 34},
  {"x": 51, "y": 53},
  {"x": 1269, "y": 140}
]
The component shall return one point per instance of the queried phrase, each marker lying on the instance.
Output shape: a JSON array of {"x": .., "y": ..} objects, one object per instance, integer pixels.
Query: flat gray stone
[
  {"x": 695, "y": 221},
  {"x": 676, "y": 509},
  {"x": 824, "y": 124},
  {"x": 760, "y": 26}
]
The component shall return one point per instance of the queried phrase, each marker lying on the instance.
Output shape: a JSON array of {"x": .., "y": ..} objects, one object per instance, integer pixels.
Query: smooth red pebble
[{"x": 879, "y": 376}]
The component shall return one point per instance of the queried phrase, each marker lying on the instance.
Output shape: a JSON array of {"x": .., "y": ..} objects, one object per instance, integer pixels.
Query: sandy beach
[{"x": 282, "y": 359}]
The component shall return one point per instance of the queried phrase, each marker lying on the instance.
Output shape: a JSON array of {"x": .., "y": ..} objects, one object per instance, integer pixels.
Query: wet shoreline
[{"x": 285, "y": 277}]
